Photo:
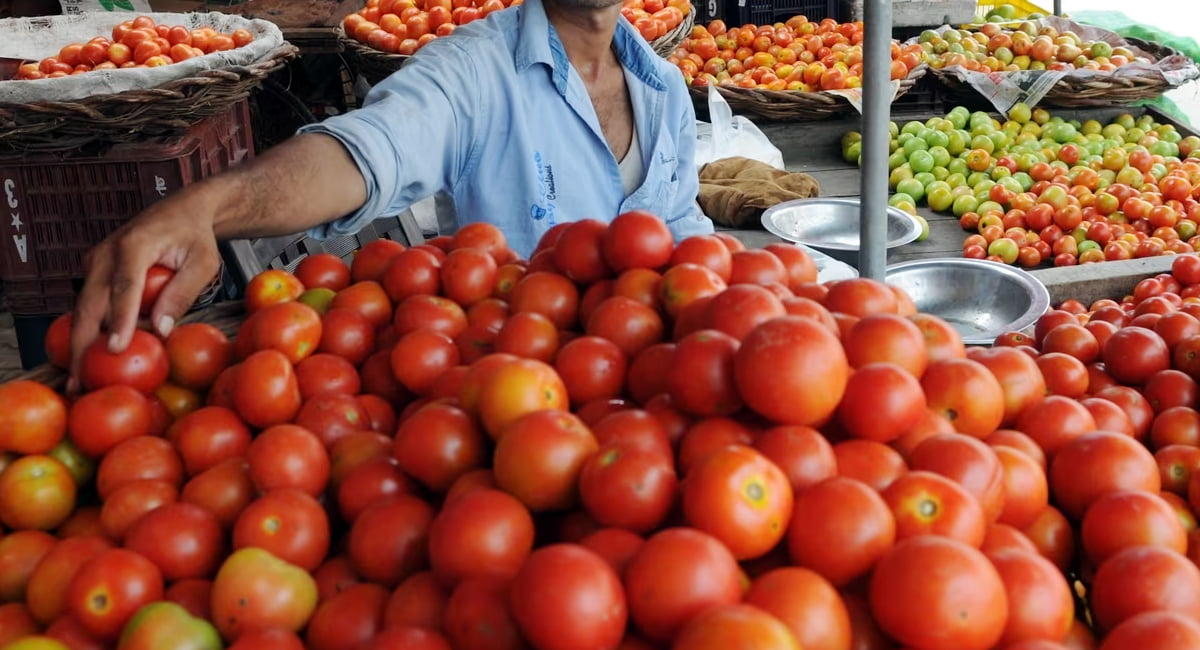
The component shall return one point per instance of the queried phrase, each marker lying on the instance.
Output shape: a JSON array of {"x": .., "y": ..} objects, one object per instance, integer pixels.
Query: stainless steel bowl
[
  {"x": 832, "y": 225},
  {"x": 978, "y": 298}
]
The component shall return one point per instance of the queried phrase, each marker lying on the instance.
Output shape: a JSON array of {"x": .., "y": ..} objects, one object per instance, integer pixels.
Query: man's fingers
[
  {"x": 181, "y": 291},
  {"x": 90, "y": 308},
  {"x": 128, "y": 281}
]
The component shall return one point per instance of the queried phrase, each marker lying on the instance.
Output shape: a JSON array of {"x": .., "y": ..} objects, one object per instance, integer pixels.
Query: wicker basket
[
  {"x": 788, "y": 105},
  {"x": 132, "y": 115},
  {"x": 1078, "y": 91},
  {"x": 664, "y": 45}
]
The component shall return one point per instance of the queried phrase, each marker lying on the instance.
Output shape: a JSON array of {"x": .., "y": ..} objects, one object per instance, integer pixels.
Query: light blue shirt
[{"x": 497, "y": 117}]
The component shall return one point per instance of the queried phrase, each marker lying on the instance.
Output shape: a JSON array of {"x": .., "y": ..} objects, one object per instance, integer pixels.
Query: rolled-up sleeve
[
  {"x": 686, "y": 218},
  {"x": 414, "y": 135}
]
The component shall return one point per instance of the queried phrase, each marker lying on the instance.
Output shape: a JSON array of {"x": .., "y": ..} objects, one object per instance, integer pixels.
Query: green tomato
[
  {"x": 989, "y": 206},
  {"x": 939, "y": 198},
  {"x": 1011, "y": 184},
  {"x": 164, "y": 624},
  {"x": 975, "y": 179},
  {"x": 1024, "y": 179},
  {"x": 983, "y": 142},
  {"x": 1113, "y": 132},
  {"x": 958, "y": 116},
  {"x": 914, "y": 144},
  {"x": 1020, "y": 112},
  {"x": 937, "y": 139},
  {"x": 1087, "y": 245},
  {"x": 920, "y": 160},
  {"x": 912, "y": 187},
  {"x": 940, "y": 173},
  {"x": 852, "y": 152},
  {"x": 1158, "y": 170},
  {"x": 900, "y": 197},
  {"x": 912, "y": 128},
  {"x": 999, "y": 171},
  {"x": 1165, "y": 149},
  {"x": 893, "y": 129},
  {"x": 1186, "y": 228},
  {"x": 962, "y": 190},
  {"x": 999, "y": 140},
  {"x": 941, "y": 156},
  {"x": 897, "y": 159},
  {"x": 925, "y": 178},
  {"x": 963, "y": 205},
  {"x": 898, "y": 174},
  {"x": 956, "y": 142},
  {"x": 924, "y": 227},
  {"x": 319, "y": 298},
  {"x": 956, "y": 179}
]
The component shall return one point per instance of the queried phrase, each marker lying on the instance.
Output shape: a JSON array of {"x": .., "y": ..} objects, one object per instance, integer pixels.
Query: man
[{"x": 556, "y": 110}]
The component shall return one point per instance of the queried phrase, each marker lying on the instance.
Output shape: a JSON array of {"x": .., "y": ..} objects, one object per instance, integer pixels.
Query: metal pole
[
  {"x": 877, "y": 95},
  {"x": 1057, "y": 7}
]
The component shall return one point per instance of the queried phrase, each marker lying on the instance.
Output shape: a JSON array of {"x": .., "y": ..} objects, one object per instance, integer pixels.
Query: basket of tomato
[
  {"x": 793, "y": 71},
  {"x": 96, "y": 77}
]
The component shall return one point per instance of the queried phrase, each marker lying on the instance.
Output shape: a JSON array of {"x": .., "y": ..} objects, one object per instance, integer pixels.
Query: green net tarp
[{"x": 1125, "y": 26}]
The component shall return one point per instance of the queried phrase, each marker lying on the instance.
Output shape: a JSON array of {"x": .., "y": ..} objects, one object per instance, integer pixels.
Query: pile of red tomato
[
  {"x": 137, "y": 43},
  {"x": 797, "y": 55},
  {"x": 623, "y": 442}
]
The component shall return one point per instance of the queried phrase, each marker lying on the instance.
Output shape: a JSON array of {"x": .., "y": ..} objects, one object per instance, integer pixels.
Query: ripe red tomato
[
  {"x": 109, "y": 588},
  {"x": 516, "y": 388},
  {"x": 636, "y": 239},
  {"x": 33, "y": 418},
  {"x": 1120, "y": 520},
  {"x": 371, "y": 259},
  {"x": 47, "y": 579},
  {"x": 791, "y": 370},
  {"x": 968, "y": 462},
  {"x": 36, "y": 492},
  {"x": 183, "y": 540},
  {"x": 387, "y": 540},
  {"x": 1054, "y": 422},
  {"x": 292, "y": 328},
  {"x": 539, "y": 457},
  {"x": 675, "y": 575},
  {"x": 58, "y": 341},
  {"x": 143, "y": 457},
  {"x": 739, "y": 497},
  {"x": 806, "y": 603},
  {"x": 591, "y": 368},
  {"x": 197, "y": 353},
  {"x": 208, "y": 436},
  {"x": 965, "y": 609},
  {"x": 685, "y": 283},
  {"x": 550, "y": 294},
  {"x": 924, "y": 503},
  {"x": 324, "y": 270},
  {"x": 1096, "y": 464},
  {"x": 349, "y": 619},
  {"x": 1142, "y": 579},
  {"x": 288, "y": 523},
  {"x": 631, "y": 325},
  {"x": 418, "y": 601},
  {"x": 723, "y": 625},
  {"x": 529, "y": 335},
  {"x": 420, "y": 357},
  {"x": 193, "y": 594},
  {"x": 327, "y": 373},
  {"x": 567, "y": 582},
  {"x": 482, "y": 533},
  {"x": 331, "y": 417},
  {"x": 1040, "y": 603},
  {"x": 478, "y": 615},
  {"x": 265, "y": 392},
  {"x": 707, "y": 251},
  {"x": 438, "y": 444},
  {"x": 143, "y": 365},
  {"x": 617, "y": 546},
  {"x": 287, "y": 455},
  {"x": 16, "y": 626},
  {"x": 700, "y": 378},
  {"x": 20, "y": 552},
  {"x": 1154, "y": 630},
  {"x": 367, "y": 298},
  {"x": 803, "y": 454},
  {"x": 627, "y": 485},
  {"x": 840, "y": 527},
  {"x": 756, "y": 266},
  {"x": 412, "y": 272},
  {"x": 1133, "y": 354},
  {"x": 578, "y": 253},
  {"x": 468, "y": 275},
  {"x": 799, "y": 264},
  {"x": 882, "y": 402}
]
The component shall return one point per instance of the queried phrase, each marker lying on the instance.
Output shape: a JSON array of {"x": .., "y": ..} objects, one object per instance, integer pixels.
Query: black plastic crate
[
  {"x": 708, "y": 10},
  {"x": 926, "y": 98},
  {"x": 767, "y": 12},
  {"x": 60, "y": 204}
]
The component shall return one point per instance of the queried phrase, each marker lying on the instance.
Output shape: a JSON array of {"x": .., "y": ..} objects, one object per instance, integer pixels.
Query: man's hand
[{"x": 170, "y": 233}]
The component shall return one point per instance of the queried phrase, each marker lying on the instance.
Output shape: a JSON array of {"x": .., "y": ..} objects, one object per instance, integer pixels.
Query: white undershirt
[{"x": 632, "y": 168}]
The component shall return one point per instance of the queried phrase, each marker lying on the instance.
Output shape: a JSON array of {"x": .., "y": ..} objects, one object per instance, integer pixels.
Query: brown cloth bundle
[{"x": 735, "y": 191}]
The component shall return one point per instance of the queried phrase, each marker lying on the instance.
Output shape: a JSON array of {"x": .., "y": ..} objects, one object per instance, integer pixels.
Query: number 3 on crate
[{"x": 14, "y": 223}]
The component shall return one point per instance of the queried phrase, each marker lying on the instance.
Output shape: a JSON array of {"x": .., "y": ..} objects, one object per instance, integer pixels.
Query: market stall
[{"x": 397, "y": 439}]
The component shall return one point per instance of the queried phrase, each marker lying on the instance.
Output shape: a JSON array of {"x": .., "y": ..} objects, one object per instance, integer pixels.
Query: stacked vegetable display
[
  {"x": 624, "y": 442},
  {"x": 1038, "y": 188}
]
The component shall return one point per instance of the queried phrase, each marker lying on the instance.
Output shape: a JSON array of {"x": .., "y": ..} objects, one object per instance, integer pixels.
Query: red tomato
[
  {"x": 16, "y": 624},
  {"x": 208, "y": 436},
  {"x": 47, "y": 578},
  {"x": 324, "y": 270},
  {"x": 20, "y": 552},
  {"x": 157, "y": 277},
  {"x": 347, "y": 620},
  {"x": 924, "y": 503},
  {"x": 482, "y": 533},
  {"x": 791, "y": 370},
  {"x": 529, "y": 335},
  {"x": 965, "y": 609},
  {"x": 367, "y": 298},
  {"x": 1142, "y": 579},
  {"x": 968, "y": 462},
  {"x": 539, "y": 456},
  {"x": 1133, "y": 354},
  {"x": 420, "y": 357},
  {"x": 756, "y": 266},
  {"x": 468, "y": 275},
  {"x": 578, "y": 252},
  {"x": 1026, "y": 491},
  {"x": 628, "y": 486},
  {"x": 683, "y": 284},
  {"x": 255, "y": 590},
  {"x": 369, "y": 481},
  {"x": 331, "y": 417},
  {"x": 724, "y": 625},
  {"x": 806, "y": 603},
  {"x": 418, "y": 601},
  {"x": 1154, "y": 629},
  {"x": 58, "y": 341},
  {"x": 1054, "y": 422},
  {"x": 803, "y": 454},
  {"x": 387, "y": 541},
  {"x": 271, "y": 287},
  {"x": 292, "y": 328},
  {"x": 631, "y": 325},
  {"x": 265, "y": 391},
  {"x": 370, "y": 260},
  {"x": 882, "y": 402},
  {"x": 33, "y": 418},
  {"x": 193, "y": 594},
  {"x": 143, "y": 365},
  {"x": 478, "y": 616},
  {"x": 591, "y": 368},
  {"x": 197, "y": 353},
  {"x": 1040, "y": 603},
  {"x": 617, "y": 546},
  {"x": 873, "y": 463},
  {"x": 567, "y": 582},
  {"x": 550, "y": 294},
  {"x": 144, "y": 457},
  {"x": 1120, "y": 520},
  {"x": 412, "y": 272},
  {"x": 707, "y": 251},
  {"x": 288, "y": 523},
  {"x": 348, "y": 334},
  {"x": 676, "y": 574},
  {"x": 739, "y": 497},
  {"x": 840, "y": 527},
  {"x": 1096, "y": 464},
  {"x": 286, "y": 455},
  {"x": 516, "y": 388},
  {"x": 107, "y": 590},
  {"x": 437, "y": 444},
  {"x": 700, "y": 378},
  {"x": 327, "y": 373},
  {"x": 636, "y": 239}
]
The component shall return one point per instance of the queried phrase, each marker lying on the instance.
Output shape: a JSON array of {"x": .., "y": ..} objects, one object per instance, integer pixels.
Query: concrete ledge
[{"x": 1090, "y": 282}]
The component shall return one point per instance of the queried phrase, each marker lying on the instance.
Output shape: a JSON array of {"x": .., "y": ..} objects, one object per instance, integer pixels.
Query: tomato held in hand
[{"x": 143, "y": 365}]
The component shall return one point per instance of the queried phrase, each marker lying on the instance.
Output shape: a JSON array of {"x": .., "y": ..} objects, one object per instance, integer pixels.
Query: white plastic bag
[{"x": 731, "y": 135}]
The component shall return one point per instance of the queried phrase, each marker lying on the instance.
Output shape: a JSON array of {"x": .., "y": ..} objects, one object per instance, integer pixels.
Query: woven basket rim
[{"x": 664, "y": 45}]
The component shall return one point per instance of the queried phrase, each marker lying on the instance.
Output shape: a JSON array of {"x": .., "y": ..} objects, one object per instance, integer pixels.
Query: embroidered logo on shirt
[{"x": 543, "y": 210}]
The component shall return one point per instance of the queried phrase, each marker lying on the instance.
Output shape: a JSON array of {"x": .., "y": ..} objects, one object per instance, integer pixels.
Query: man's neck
[{"x": 587, "y": 36}]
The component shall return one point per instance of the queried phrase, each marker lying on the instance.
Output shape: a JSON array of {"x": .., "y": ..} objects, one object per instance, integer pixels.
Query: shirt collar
[{"x": 538, "y": 42}]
